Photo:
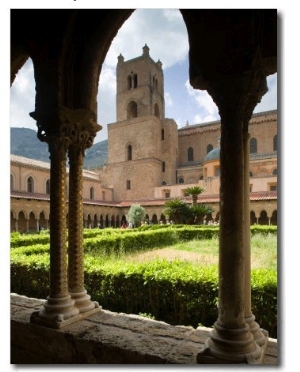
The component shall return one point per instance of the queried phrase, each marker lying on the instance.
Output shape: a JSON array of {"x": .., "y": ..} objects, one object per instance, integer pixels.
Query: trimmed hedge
[{"x": 175, "y": 292}]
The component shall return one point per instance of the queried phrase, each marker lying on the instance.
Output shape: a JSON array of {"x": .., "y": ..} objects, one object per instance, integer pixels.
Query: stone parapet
[{"x": 106, "y": 338}]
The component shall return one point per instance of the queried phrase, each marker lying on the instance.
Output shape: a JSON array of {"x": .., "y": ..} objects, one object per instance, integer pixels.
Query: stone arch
[
  {"x": 253, "y": 219},
  {"x": 263, "y": 218},
  {"x": 273, "y": 220},
  {"x": 262, "y": 172}
]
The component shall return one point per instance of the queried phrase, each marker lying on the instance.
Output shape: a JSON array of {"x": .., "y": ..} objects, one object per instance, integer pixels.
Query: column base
[
  {"x": 260, "y": 335},
  {"x": 60, "y": 312},
  {"x": 232, "y": 346},
  {"x": 83, "y": 301}
]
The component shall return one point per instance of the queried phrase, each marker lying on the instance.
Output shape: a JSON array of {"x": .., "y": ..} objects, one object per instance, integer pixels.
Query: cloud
[
  {"x": 160, "y": 29},
  {"x": 22, "y": 97},
  {"x": 208, "y": 111},
  {"x": 269, "y": 100},
  {"x": 168, "y": 100}
]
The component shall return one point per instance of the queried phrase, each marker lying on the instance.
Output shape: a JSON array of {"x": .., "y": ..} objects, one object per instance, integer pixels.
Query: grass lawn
[{"x": 205, "y": 252}]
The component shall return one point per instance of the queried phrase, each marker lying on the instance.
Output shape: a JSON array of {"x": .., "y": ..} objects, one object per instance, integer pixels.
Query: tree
[
  {"x": 177, "y": 210},
  {"x": 194, "y": 191},
  {"x": 136, "y": 214},
  {"x": 198, "y": 212}
]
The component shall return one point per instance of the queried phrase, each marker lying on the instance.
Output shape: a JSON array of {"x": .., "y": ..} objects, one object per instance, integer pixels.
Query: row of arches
[
  {"x": 33, "y": 221},
  {"x": 30, "y": 184}
]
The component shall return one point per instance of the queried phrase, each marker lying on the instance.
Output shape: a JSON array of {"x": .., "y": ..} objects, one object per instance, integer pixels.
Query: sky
[{"x": 145, "y": 26}]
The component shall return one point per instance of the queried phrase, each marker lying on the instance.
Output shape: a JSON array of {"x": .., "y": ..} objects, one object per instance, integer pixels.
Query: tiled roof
[
  {"x": 28, "y": 161},
  {"x": 262, "y": 195}
]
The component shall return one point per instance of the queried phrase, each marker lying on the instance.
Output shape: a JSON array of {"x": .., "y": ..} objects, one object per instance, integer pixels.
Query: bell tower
[
  {"x": 142, "y": 143},
  {"x": 140, "y": 87}
]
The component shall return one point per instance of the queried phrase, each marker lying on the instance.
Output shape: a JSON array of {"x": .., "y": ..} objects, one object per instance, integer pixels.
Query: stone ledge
[{"x": 105, "y": 338}]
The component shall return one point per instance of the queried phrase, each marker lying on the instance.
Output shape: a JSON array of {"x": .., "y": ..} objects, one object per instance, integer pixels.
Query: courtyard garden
[{"x": 165, "y": 272}]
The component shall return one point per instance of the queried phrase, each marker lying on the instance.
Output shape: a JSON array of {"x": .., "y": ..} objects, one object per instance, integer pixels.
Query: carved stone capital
[{"x": 63, "y": 126}]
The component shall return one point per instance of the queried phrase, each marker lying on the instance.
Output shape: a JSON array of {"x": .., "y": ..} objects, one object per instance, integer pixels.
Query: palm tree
[
  {"x": 176, "y": 209},
  {"x": 199, "y": 211},
  {"x": 194, "y": 191}
]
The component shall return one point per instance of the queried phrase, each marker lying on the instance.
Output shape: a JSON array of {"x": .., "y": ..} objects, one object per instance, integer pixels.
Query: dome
[{"x": 213, "y": 155}]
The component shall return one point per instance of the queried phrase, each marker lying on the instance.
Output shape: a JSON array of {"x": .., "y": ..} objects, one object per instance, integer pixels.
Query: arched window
[
  {"x": 129, "y": 152},
  {"x": 11, "y": 183},
  {"x": 275, "y": 172},
  {"x": 163, "y": 166},
  {"x": 180, "y": 180},
  {"x": 190, "y": 154},
  {"x": 48, "y": 187},
  {"x": 129, "y": 84},
  {"x": 156, "y": 110},
  {"x": 253, "y": 146},
  {"x": 132, "y": 110},
  {"x": 250, "y": 174},
  {"x": 162, "y": 134},
  {"x": 92, "y": 193},
  {"x": 135, "y": 81},
  {"x": 209, "y": 148},
  {"x": 30, "y": 184},
  {"x": 275, "y": 143}
]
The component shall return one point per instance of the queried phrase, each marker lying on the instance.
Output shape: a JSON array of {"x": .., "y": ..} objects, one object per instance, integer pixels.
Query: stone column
[
  {"x": 260, "y": 336},
  {"x": 59, "y": 307},
  {"x": 83, "y": 134},
  {"x": 231, "y": 341}
]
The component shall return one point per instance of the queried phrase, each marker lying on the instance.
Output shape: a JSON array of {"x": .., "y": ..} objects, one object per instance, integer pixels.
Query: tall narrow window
[
  {"x": 92, "y": 193},
  {"x": 162, "y": 134},
  {"x": 209, "y": 148},
  {"x": 128, "y": 185},
  {"x": 30, "y": 184},
  {"x": 103, "y": 195},
  {"x": 135, "y": 81},
  {"x": 163, "y": 166},
  {"x": 253, "y": 146},
  {"x": 11, "y": 183},
  {"x": 129, "y": 152},
  {"x": 190, "y": 154},
  {"x": 129, "y": 83},
  {"x": 48, "y": 187},
  {"x": 275, "y": 143}
]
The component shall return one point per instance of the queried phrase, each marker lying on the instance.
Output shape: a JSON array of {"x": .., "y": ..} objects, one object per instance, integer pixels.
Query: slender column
[
  {"x": 231, "y": 340},
  {"x": 59, "y": 306},
  {"x": 260, "y": 335},
  {"x": 82, "y": 138}
]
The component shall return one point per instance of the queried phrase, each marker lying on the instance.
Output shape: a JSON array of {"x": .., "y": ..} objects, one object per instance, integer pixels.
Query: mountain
[{"x": 24, "y": 142}]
